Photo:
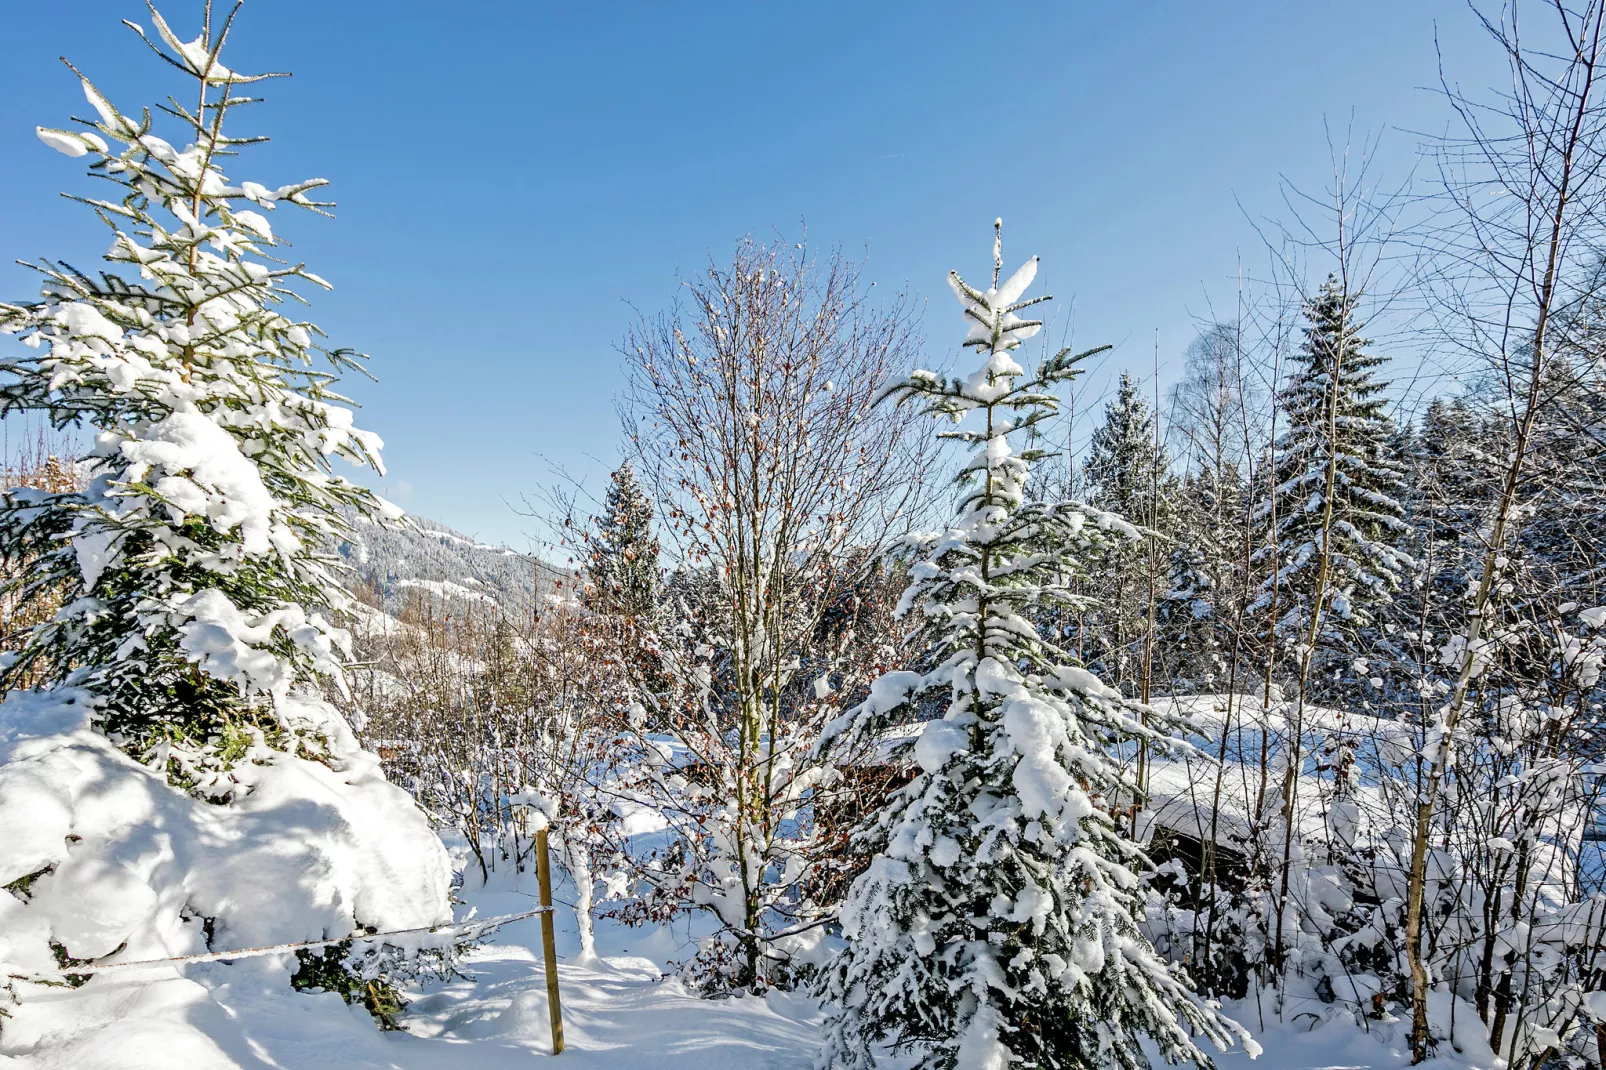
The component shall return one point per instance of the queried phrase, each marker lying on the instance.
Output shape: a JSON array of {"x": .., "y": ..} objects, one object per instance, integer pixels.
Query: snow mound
[{"x": 102, "y": 859}]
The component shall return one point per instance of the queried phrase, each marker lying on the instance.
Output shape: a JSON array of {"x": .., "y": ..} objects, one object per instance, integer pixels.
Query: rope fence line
[
  {"x": 276, "y": 949},
  {"x": 544, "y": 911}
]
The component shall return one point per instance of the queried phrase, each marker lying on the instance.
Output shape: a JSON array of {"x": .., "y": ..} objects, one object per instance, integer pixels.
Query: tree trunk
[{"x": 577, "y": 860}]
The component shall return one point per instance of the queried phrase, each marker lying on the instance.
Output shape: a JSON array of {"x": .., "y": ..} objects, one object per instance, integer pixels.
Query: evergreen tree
[
  {"x": 1451, "y": 493},
  {"x": 623, "y": 560},
  {"x": 1200, "y": 578},
  {"x": 1126, "y": 464},
  {"x": 197, "y": 574},
  {"x": 1566, "y": 482},
  {"x": 1127, "y": 473},
  {"x": 997, "y": 924},
  {"x": 197, "y": 568},
  {"x": 1335, "y": 502}
]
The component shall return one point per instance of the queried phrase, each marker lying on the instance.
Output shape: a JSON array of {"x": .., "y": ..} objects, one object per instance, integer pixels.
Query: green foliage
[
  {"x": 22, "y": 887},
  {"x": 65, "y": 961},
  {"x": 331, "y": 971}
]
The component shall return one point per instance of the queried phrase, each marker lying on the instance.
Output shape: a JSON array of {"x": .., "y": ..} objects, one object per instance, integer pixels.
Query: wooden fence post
[{"x": 549, "y": 949}]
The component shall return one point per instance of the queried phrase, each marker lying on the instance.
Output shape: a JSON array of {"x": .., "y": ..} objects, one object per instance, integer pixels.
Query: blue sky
[{"x": 513, "y": 177}]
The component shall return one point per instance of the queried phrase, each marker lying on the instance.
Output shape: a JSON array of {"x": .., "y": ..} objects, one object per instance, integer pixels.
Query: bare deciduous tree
[
  {"x": 751, "y": 417},
  {"x": 1528, "y": 178}
]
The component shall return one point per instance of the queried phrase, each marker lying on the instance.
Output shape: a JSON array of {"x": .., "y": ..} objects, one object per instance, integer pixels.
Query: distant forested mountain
[{"x": 424, "y": 555}]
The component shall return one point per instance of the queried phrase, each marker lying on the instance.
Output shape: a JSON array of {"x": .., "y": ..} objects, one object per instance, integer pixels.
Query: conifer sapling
[{"x": 997, "y": 925}]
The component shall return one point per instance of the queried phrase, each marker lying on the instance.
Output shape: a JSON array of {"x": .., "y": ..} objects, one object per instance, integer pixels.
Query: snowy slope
[{"x": 433, "y": 558}]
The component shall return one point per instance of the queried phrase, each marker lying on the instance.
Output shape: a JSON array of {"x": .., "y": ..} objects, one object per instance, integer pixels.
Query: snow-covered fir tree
[
  {"x": 1448, "y": 500},
  {"x": 1334, "y": 505},
  {"x": 997, "y": 924},
  {"x": 197, "y": 568},
  {"x": 1127, "y": 475},
  {"x": 622, "y": 563},
  {"x": 1185, "y": 614},
  {"x": 199, "y": 584},
  {"x": 1126, "y": 464},
  {"x": 1566, "y": 482},
  {"x": 1200, "y": 580}
]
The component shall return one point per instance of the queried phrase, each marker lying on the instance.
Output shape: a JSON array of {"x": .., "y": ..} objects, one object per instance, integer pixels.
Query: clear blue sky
[{"x": 513, "y": 176}]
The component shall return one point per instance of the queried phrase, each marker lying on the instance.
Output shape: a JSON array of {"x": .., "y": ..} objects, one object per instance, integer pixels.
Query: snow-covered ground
[
  {"x": 622, "y": 1013},
  {"x": 619, "y": 1013},
  {"x": 622, "y": 1010}
]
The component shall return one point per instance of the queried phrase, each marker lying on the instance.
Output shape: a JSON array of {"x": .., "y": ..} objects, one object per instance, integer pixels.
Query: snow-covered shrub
[
  {"x": 497, "y": 728},
  {"x": 1515, "y": 915},
  {"x": 105, "y": 861}
]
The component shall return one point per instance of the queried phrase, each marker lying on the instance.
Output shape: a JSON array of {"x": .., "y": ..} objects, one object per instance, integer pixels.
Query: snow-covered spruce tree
[
  {"x": 197, "y": 574},
  {"x": 1338, "y": 520},
  {"x": 997, "y": 923},
  {"x": 1195, "y": 608},
  {"x": 1126, "y": 472},
  {"x": 622, "y": 558},
  {"x": 1126, "y": 462},
  {"x": 1453, "y": 486},
  {"x": 197, "y": 567}
]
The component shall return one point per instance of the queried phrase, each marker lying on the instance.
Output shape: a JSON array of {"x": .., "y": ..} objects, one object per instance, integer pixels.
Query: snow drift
[{"x": 103, "y": 860}]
